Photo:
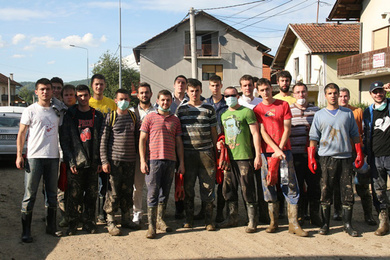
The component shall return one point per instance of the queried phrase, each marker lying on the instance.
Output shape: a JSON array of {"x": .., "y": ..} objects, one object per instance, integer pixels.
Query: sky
[{"x": 35, "y": 36}]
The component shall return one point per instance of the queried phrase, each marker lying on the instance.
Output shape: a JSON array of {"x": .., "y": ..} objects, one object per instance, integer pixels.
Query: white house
[{"x": 4, "y": 90}]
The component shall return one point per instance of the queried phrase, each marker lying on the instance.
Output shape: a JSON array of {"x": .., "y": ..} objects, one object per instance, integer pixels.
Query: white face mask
[
  {"x": 231, "y": 101},
  {"x": 123, "y": 104},
  {"x": 301, "y": 101}
]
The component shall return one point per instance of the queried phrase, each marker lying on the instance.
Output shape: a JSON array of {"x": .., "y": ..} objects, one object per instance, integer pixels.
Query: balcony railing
[
  {"x": 207, "y": 50},
  {"x": 363, "y": 64}
]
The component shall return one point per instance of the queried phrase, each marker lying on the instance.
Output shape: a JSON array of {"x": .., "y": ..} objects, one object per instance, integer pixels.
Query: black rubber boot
[
  {"x": 347, "y": 219},
  {"x": 232, "y": 219},
  {"x": 51, "y": 226},
  {"x": 26, "y": 225},
  {"x": 179, "y": 213},
  {"x": 189, "y": 208},
  {"x": 220, "y": 205},
  {"x": 72, "y": 228},
  {"x": 367, "y": 208},
  {"x": 209, "y": 207},
  {"x": 337, "y": 204},
  {"x": 161, "y": 225},
  {"x": 315, "y": 213},
  {"x": 152, "y": 219},
  {"x": 201, "y": 213},
  {"x": 325, "y": 212},
  {"x": 252, "y": 216}
]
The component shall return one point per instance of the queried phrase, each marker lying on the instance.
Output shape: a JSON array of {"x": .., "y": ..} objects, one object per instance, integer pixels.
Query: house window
[
  {"x": 308, "y": 68},
  {"x": 381, "y": 38},
  {"x": 210, "y": 70},
  {"x": 206, "y": 44},
  {"x": 296, "y": 67}
]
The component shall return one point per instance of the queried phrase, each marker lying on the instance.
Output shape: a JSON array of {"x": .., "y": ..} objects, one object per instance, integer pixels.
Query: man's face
[
  {"x": 144, "y": 95},
  {"x": 300, "y": 92},
  {"x": 343, "y": 98},
  {"x": 230, "y": 93},
  {"x": 215, "y": 87},
  {"x": 180, "y": 85},
  {"x": 44, "y": 92},
  {"x": 378, "y": 95},
  {"x": 332, "y": 96},
  {"x": 98, "y": 86},
  {"x": 121, "y": 96},
  {"x": 164, "y": 101},
  {"x": 69, "y": 97},
  {"x": 83, "y": 98},
  {"x": 247, "y": 88},
  {"x": 56, "y": 90},
  {"x": 194, "y": 93},
  {"x": 265, "y": 91},
  {"x": 284, "y": 84}
]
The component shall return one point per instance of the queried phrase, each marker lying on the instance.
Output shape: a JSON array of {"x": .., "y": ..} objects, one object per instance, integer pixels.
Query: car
[{"x": 9, "y": 128}]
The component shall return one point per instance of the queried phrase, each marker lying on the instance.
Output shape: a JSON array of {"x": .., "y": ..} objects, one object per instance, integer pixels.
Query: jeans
[
  {"x": 48, "y": 168},
  {"x": 379, "y": 177}
]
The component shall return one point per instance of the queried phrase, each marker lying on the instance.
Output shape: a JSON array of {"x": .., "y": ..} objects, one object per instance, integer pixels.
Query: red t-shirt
[{"x": 272, "y": 117}]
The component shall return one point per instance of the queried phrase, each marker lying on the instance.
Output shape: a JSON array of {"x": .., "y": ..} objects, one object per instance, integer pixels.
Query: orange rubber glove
[
  {"x": 359, "y": 161},
  {"x": 273, "y": 170},
  {"x": 311, "y": 154}
]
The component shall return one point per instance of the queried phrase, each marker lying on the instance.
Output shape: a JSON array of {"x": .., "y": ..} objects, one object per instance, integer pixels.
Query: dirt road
[{"x": 182, "y": 244}]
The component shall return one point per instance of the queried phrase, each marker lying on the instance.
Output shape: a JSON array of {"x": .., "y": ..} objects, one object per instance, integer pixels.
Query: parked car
[{"x": 9, "y": 127}]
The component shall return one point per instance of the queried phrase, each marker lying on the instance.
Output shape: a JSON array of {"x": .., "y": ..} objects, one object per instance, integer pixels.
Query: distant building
[{"x": 4, "y": 91}]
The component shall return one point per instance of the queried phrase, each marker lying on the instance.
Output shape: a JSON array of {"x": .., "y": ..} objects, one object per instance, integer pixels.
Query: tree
[
  {"x": 108, "y": 65},
  {"x": 26, "y": 94}
]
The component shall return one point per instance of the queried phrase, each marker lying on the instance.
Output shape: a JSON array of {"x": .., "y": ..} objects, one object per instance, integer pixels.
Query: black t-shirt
[
  {"x": 381, "y": 133},
  {"x": 84, "y": 122}
]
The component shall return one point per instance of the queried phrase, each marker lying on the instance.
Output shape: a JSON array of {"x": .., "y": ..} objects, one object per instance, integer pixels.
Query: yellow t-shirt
[
  {"x": 289, "y": 99},
  {"x": 106, "y": 105}
]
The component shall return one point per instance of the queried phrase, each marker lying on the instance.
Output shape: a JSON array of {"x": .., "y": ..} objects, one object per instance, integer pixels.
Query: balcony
[
  {"x": 207, "y": 51},
  {"x": 365, "y": 65}
]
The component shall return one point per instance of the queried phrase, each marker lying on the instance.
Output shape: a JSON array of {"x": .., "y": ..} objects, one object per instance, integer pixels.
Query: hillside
[{"x": 31, "y": 85}]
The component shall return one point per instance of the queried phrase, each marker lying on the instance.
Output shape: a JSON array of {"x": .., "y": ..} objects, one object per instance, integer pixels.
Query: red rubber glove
[
  {"x": 311, "y": 154},
  {"x": 273, "y": 170},
  {"x": 359, "y": 161},
  {"x": 179, "y": 189}
]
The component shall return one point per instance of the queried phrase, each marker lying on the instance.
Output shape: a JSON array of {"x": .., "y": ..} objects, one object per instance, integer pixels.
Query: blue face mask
[
  {"x": 382, "y": 106},
  {"x": 123, "y": 104},
  {"x": 164, "y": 110},
  {"x": 231, "y": 101}
]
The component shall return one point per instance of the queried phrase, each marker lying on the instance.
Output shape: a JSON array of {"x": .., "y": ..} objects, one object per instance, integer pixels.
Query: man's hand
[
  {"x": 73, "y": 169},
  {"x": 279, "y": 154},
  {"x": 220, "y": 144},
  {"x": 144, "y": 167},
  {"x": 359, "y": 161},
  {"x": 386, "y": 87},
  {"x": 181, "y": 169},
  {"x": 19, "y": 162},
  {"x": 312, "y": 164},
  {"x": 107, "y": 168},
  {"x": 99, "y": 169},
  {"x": 257, "y": 162}
]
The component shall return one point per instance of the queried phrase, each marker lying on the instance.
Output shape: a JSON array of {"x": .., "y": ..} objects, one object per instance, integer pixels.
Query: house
[
  {"x": 373, "y": 61},
  {"x": 310, "y": 52},
  {"x": 221, "y": 50},
  {"x": 4, "y": 90}
]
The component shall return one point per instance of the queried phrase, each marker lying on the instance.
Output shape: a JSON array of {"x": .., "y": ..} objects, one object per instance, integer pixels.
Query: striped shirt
[
  {"x": 162, "y": 131},
  {"x": 196, "y": 124},
  {"x": 118, "y": 141}
]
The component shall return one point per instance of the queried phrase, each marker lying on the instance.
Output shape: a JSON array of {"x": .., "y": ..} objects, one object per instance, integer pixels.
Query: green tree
[
  {"x": 108, "y": 65},
  {"x": 26, "y": 94}
]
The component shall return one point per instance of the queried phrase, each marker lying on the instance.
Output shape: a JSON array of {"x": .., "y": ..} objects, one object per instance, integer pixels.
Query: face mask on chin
[
  {"x": 382, "y": 106},
  {"x": 164, "y": 110}
]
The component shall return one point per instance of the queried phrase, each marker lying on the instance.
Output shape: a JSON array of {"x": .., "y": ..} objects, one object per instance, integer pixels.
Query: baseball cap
[{"x": 375, "y": 85}]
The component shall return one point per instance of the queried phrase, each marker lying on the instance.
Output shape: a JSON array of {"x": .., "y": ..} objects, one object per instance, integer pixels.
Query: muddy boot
[
  {"x": 315, "y": 213},
  {"x": 152, "y": 218},
  {"x": 232, "y": 219},
  {"x": 127, "y": 222},
  {"x": 26, "y": 225},
  {"x": 273, "y": 210},
  {"x": 325, "y": 212},
  {"x": 201, "y": 213},
  {"x": 189, "y": 208},
  {"x": 367, "y": 208},
  {"x": 383, "y": 223},
  {"x": 252, "y": 216},
  {"x": 293, "y": 225},
  {"x": 51, "y": 226},
  {"x": 347, "y": 219},
  {"x": 220, "y": 205},
  {"x": 208, "y": 220},
  {"x": 161, "y": 225},
  {"x": 113, "y": 230},
  {"x": 72, "y": 228}
]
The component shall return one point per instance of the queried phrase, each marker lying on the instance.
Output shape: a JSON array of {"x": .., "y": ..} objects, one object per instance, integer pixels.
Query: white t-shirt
[
  {"x": 251, "y": 105},
  {"x": 42, "y": 132}
]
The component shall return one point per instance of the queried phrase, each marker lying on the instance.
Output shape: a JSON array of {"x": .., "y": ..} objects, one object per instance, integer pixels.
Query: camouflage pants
[
  {"x": 82, "y": 191},
  {"x": 120, "y": 191}
]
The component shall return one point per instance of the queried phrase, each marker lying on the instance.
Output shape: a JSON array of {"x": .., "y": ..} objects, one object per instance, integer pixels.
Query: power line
[{"x": 230, "y": 6}]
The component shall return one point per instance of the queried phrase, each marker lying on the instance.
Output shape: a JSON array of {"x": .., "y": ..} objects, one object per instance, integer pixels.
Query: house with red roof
[{"x": 4, "y": 81}]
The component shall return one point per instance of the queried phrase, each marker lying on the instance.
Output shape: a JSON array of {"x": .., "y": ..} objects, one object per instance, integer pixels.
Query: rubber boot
[
  {"x": 127, "y": 222},
  {"x": 64, "y": 220},
  {"x": 208, "y": 220},
  {"x": 26, "y": 225},
  {"x": 347, "y": 219},
  {"x": 273, "y": 210},
  {"x": 72, "y": 228},
  {"x": 161, "y": 225},
  {"x": 367, "y": 208},
  {"x": 293, "y": 225},
  {"x": 179, "y": 213},
  {"x": 101, "y": 218},
  {"x": 232, "y": 219},
  {"x": 383, "y": 223},
  {"x": 337, "y": 204},
  {"x": 220, "y": 205},
  {"x": 113, "y": 230},
  {"x": 51, "y": 226},
  {"x": 252, "y": 216},
  {"x": 189, "y": 208},
  {"x": 152, "y": 219},
  {"x": 325, "y": 212},
  {"x": 201, "y": 213},
  {"x": 315, "y": 213}
]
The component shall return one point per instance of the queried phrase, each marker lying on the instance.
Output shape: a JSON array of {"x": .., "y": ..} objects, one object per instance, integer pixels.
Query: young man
[
  {"x": 68, "y": 95},
  {"x": 247, "y": 99},
  {"x": 363, "y": 186},
  {"x": 283, "y": 79},
  {"x": 41, "y": 122},
  {"x": 376, "y": 144},
  {"x": 118, "y": 156},
  {"x": 144, "y": 94},
  {"x": 57, "y": 84},
  {"x": 274, "y": 117},
  {"x": 239, "y": 123},
  {"x": 105, "y": 105},
  {"x": 163, "y": 132},
  {"x": 80, "y": 143},
  {"x": 198, "y": 123},
  {"x": 302, "y": 118},
  {"x": 331, "y": 130}
]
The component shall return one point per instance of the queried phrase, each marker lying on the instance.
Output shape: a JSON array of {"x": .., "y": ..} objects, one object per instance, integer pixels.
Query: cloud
[
  {"x": 18, "y": 56},
  {"x": 129, "y": 61},
  {"x": 28, "y": 48},
  {"x": 86, "y": 40},
  {"x": 2, "y": 42},
  {"x": 51, "y": 62},
  {"x": 14, "y": 14},
  {"x": 18, "y": 38}
]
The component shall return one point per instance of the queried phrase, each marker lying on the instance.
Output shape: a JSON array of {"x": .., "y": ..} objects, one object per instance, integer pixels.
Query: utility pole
[
  {"x": 194, "y": 61},
  {"x": 11, "y": 76},
  {"x": 120, "y": 46}
]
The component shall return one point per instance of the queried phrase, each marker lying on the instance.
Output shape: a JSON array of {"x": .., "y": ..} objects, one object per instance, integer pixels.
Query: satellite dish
[{"x": 222, "y": 40}]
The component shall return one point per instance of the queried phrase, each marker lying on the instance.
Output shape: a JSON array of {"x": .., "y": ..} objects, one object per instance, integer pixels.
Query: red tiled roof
[{"x": 4, "y": 80}]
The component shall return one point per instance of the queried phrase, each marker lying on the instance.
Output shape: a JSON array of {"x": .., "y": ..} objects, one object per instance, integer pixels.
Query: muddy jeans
[
  {"x": 120, "y": 191},
  {"x": 336, "y": 171},
  {"x": 380, "y": 179},
  {"x": 241, "y": 173}
]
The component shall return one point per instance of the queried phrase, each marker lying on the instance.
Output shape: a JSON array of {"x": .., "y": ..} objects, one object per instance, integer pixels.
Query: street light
[{"x": 75, "y": 46}]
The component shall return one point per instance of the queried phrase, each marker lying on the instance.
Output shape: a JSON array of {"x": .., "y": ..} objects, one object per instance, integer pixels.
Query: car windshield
[{"x": 9, "y": 122}]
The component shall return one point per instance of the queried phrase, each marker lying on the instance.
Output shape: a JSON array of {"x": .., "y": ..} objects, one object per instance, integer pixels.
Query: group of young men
[{"x": 268, "y": 147}]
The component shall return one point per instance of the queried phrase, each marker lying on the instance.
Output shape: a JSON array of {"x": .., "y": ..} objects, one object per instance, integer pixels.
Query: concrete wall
[
  {"x": 164, "y": 59},
  {"x": 365, "y": 87}
]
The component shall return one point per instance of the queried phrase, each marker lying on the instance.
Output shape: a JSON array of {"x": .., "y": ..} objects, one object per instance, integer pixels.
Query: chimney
[{"x": 11, "y": 76}]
